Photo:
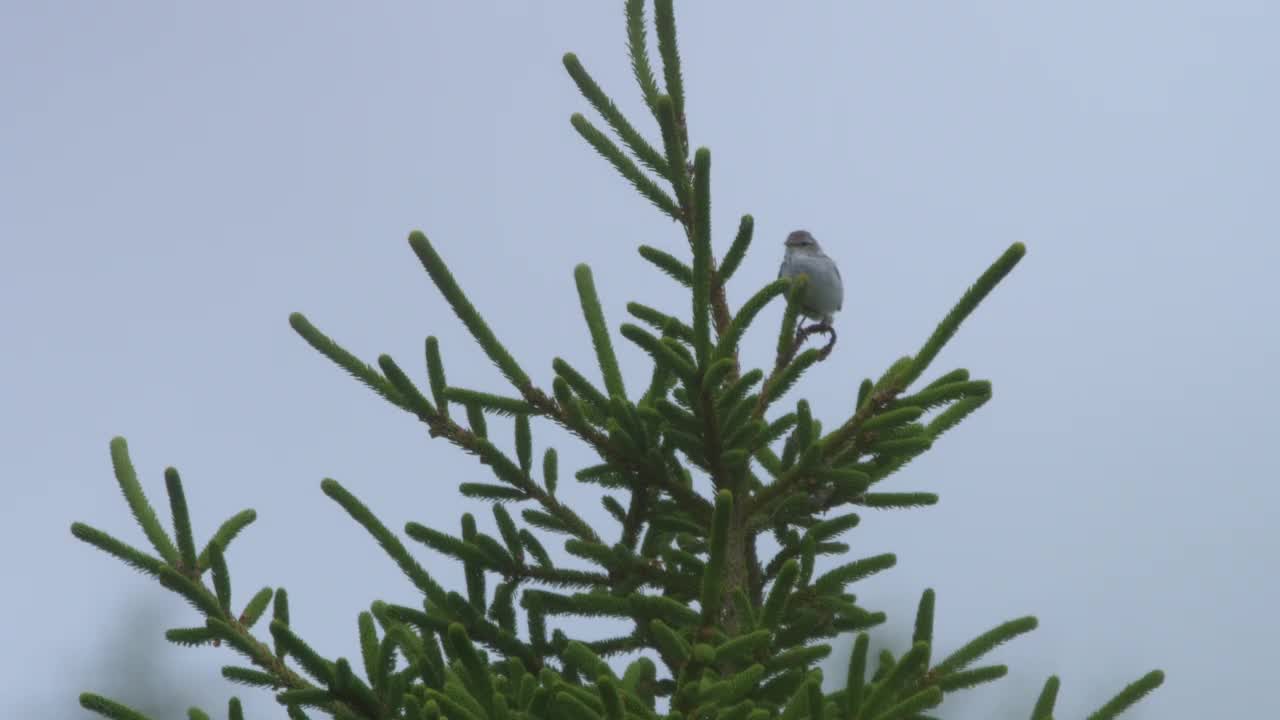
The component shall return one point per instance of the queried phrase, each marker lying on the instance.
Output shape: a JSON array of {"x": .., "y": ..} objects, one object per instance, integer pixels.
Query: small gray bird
[{"x": 825, "y": 293}]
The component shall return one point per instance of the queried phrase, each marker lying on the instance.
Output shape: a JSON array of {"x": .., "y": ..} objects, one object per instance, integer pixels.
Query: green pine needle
[
  {"x": 985, "y": 643},
  {"x": 594, "y": 316},
  {"x": 665, "y": 20},
  {"x": 127, "y": 478},
  {"x": 194, "y": 593},
  {"x": 747, "y": 313},
  {"x": 612, "y": 115},
  {"x": 713, "y": 576},
  {"x": 108, "y": 708},
  {"x": 625, "y": 166},
  {"x": 1047, "y": 699},
  {"x": 181, "y": 519},
  {"x": 668, "y": 264},
  {"x": 791, "y": 315},
  {"x": 966, "y": 679},
  {"x": 968, "y": 303},
  {"x": 435, "y": 375},
  {"x": 676, "y": 152},
  {"x": 190, "y": 637},
  {"x": 414, "y": 400},
  {"x": 838, "y": 578},
  {"x": 447, "y": 544},
  {"x": 738, "y": 249},
  {"x": 342, "y": 358},
  {"x": 661, "y": 321},
  {"x": 663, "y": 353},
  {"x": 638, "y": 50},
  {"x": 1130, "y": 695},
  {"x": 498, "y": 404},
  {"x": 318, "y": 668},
  {"x": 226, "y": 532},
  {"x": 385, "y": 539},
  {"x": 255, "y": 607},
  {"x": 924, "y": 620},
  {"x": 221, "y": 579},
  {"x": 463, "y": 308},
  {"x": 597, "y": 401},
  {"x": 131, "y": 556},
  {"x": 702, "y": 255},
  {"x": 898, "y": 500}
]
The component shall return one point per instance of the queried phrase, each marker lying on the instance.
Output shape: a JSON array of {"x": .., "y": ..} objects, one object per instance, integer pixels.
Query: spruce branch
[
  {"x": 1043, "y": 709},
  {"x": 952, "y": 416},
  {"x": 939, "y": 395},
  {"x": 661, "y": 321},
  {"x": 897, "y": 678},
  {"x": 596, "y": 401},
  {"x": 414, "y": 401},
  {"x": 983, "y": 644},
  {"x": 109, "y": 708},
  {"x": 605, "y": 106},
  {"x": 923, "y": 632},
  {"x": 856, "y": 676},
  {"x": 740, "y": 634},
  {"x": 790, "y": 316},
  {"x": 638, "y": 51},
  {"x": 677, "y": 159},
  {"x": 668, "y": 264},
  {"x": 1126, "y": 698},
  {"x": 738, "y": 250},
  {"x": 897, "y": 500},
  {"x": 345, "y": 360},
  {"x": 225, "y": 533},
  {"x": 550, "y": 470},
  {"x": 193, "y": 591},
  {"x": 968, "y": 302},
  {"x": 911, "y": 707},
  {"x": 665, "y": 21},
  {"x": 702, "y": 255},
  {"x": 256, "y": 606},
  {"x": 435, "y": 375},
  {"x": 713, "y": 576},
  {"x": 594, "y": 316},
  {"x": 127, "y": 479},
  {"x": 967, "y": 679},
  {"x": 663, "y": 353},
  {"x": 729, "y": 339},
  {"x": 524, "y": 443},
  {"x": 466, "y": 312},
  {"x": 385, "y": 539},
  {"x": 221, "y": 580},
  {"x": 190, "y": 636},
  {"x": 181, "y": 520},
  {"x": 497, "y": 404},
  {"x": 625, "y": 167},
  {"x": 131, "y": 556}
]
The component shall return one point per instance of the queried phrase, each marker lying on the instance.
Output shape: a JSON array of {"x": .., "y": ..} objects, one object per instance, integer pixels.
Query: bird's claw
[{"x": 803, "y": 333}]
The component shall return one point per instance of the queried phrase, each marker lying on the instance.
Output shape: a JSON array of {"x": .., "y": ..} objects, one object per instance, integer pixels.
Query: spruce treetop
[{"x": 697, "y": 463}]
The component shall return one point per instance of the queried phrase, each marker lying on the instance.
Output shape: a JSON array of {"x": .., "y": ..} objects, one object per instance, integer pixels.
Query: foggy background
[{"x": 177, "y": 178}]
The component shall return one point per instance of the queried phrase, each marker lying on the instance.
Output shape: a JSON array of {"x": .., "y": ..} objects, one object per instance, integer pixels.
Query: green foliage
[{"x": 715, "y": 629}]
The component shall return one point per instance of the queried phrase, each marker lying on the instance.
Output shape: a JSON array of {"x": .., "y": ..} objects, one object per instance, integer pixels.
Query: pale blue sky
[{"x": 177, "y": 178}]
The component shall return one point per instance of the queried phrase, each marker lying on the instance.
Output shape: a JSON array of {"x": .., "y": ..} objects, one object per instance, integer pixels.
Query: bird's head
[{"x": 802, "y": 241}]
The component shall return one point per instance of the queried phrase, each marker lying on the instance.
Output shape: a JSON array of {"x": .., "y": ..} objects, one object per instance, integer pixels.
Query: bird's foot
[
  {"x": 820, "y": 328},
  {"x": 802, "y": 334}
]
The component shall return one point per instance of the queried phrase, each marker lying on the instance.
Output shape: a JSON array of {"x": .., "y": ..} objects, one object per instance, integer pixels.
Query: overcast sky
[{"x": 176, "y": 178}]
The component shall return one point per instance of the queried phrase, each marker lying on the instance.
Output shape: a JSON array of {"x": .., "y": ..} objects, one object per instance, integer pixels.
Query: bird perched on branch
[{"x": 824, "y": 295}]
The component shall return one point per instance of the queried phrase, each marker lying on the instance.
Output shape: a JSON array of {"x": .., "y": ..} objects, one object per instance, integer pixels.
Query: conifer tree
[{"x": 699, "y": 462}]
